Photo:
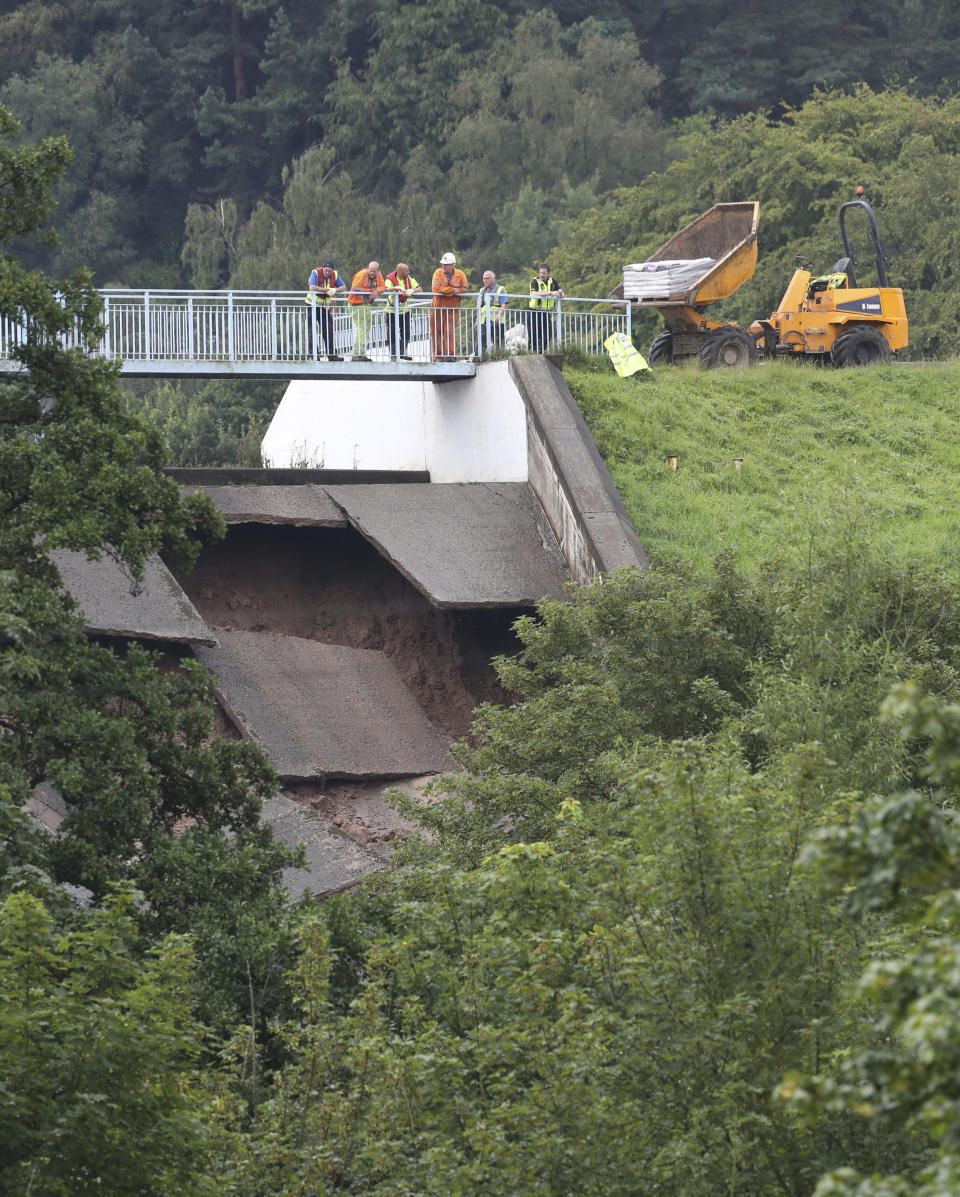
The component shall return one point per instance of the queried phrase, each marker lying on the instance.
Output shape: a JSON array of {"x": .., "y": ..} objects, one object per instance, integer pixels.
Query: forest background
[{"x": 240, "y": 144}]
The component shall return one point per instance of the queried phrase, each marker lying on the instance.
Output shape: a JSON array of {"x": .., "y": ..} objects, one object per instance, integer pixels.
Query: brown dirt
[{"x": 331, "y": 585}]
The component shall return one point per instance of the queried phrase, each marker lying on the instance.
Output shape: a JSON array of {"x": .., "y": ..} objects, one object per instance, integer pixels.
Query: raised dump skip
[
  {"x": 720, "y": 230},
  {"x": 723, "y": 240}
]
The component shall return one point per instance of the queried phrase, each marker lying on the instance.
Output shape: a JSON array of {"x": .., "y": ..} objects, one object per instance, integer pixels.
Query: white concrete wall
[{"x": 468, "y": 430}]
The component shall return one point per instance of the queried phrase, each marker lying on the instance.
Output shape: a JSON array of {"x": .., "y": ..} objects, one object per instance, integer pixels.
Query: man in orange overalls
[{"x": 448, "y": 286}]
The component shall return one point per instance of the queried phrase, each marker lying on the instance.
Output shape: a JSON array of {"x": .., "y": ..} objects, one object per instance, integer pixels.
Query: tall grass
[{"x": 874, "y": 451}]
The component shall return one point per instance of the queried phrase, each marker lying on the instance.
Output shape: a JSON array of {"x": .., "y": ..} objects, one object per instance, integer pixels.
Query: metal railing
[{"x": 169, "y": 329}]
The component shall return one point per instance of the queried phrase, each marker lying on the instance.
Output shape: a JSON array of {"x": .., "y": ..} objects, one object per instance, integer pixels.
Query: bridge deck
[
  {"x": 287, "y": 371},
  {"x": 386, "y": 371}
]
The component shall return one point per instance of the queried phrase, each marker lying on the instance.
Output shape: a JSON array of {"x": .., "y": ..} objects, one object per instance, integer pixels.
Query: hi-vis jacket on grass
[{"x": 626, "y": 358}]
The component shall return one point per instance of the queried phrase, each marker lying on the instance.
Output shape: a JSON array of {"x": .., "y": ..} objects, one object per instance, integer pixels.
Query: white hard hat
[{"x": 448, "y": 260}]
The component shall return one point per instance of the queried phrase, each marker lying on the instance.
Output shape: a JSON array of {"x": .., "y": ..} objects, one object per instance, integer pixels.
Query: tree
[
  {"x": 901, "y": 856},
  {"x": 322, "y": 215},
  {"x": 604, "y": 1010},
  {"x": 151, "y": 796},
  {"x": 99, "y": 220},
  {"x": 97, "y": 1047},
  {"x": 550, "y": 121}
]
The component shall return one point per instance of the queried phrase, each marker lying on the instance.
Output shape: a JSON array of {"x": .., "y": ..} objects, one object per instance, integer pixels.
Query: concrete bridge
[{"x": 269, "y": 334}]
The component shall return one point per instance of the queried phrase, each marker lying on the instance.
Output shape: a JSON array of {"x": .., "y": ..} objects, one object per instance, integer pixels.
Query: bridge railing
[{"x": 164, "y": 326}]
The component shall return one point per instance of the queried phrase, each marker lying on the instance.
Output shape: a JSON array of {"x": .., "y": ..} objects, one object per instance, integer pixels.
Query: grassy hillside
[{"x": 873, "y": 452}]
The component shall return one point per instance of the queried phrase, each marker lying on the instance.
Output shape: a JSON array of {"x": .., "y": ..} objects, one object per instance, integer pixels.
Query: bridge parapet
[{"x": 272, "y": 334}]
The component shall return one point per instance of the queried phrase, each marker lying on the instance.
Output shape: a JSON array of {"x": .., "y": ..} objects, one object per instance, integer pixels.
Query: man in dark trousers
[
  {"x": 544, "y": 293},
  {"x": 400, "y": 285},
  {"x": 322, "y": 290}
]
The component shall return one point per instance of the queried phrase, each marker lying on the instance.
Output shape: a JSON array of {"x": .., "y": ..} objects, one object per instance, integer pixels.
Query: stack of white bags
[{"x": 660, "y": 280}]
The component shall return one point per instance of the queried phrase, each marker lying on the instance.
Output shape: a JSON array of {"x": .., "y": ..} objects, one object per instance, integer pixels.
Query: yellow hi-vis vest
[
  {"x": 403, "y": 287},
  {"x": 315, "y": 298},
  {"x": 543, "y": 285},
  {"x": 626, "y": 358},
  {"x": 496, "y": 296}
]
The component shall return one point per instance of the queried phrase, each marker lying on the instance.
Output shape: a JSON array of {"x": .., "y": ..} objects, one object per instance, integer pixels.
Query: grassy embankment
[{"x": 872, "y": 452}]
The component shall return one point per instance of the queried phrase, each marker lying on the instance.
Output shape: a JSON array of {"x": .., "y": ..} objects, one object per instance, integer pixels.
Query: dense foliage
[
  {"x": 613, "y": 947},
  {"x": 161, "y": 831}
]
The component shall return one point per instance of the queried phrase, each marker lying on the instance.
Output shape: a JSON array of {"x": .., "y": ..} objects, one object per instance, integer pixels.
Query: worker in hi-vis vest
[
  {"x": 448, "y": 287},
  {"x": 544, "y": 293},
  {"x": 491, "y": 305},
  {"x": 400, "y": 285},
  {"x": 322, "y": 291},
  {"x": 366, "y": 288}
]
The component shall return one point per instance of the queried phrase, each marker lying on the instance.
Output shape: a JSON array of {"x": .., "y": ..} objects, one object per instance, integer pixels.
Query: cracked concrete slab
[
  {"x": 323, "y": 710},
  {"x": 472, "y": 544},
  {"x": 302, "y": 506},
  {"x": 113, "y": 605},
  {"x": 334, "y": 862}
]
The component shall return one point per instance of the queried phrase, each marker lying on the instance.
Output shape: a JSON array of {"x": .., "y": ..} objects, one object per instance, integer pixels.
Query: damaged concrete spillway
[{"x": 367, "y": 578}]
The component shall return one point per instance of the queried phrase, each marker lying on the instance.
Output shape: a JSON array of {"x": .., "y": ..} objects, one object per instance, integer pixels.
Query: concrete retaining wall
[{"x": 569, "y": 477}]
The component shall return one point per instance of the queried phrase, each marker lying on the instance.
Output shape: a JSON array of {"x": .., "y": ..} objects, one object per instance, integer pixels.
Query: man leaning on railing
[
  {"x": 491, "y": 304},
  {"x": 367, "y": 286},
  {"x": 400, "y": 285},
  {"x": 322, "y": 291}
]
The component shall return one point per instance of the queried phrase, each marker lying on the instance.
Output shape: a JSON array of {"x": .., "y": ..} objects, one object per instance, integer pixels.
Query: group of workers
[{"x": 448, "y": 286}]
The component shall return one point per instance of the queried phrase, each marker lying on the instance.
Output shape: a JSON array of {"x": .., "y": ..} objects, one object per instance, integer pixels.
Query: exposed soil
[{"x": 331, "y": 585}]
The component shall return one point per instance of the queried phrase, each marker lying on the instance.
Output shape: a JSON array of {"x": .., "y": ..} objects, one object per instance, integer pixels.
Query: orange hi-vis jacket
[
  {"x": 447, "y": 294},
  {"x": 361, "y": 282},
  {"x": 446, "y": 297}
]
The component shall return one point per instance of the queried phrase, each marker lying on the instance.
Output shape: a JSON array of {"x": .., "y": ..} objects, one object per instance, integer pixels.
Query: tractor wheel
[
  {"x": 660, "y": 352},
  {"x": 861, "y": 345},
  {"x": 728, "y": 346}
]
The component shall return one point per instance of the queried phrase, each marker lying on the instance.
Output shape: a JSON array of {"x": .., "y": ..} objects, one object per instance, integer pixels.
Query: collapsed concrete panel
[
  {"x": 302, "y": 506},
  {"x": 323, "y": 710},
  {"x": 332, "y": 585},
  {"x": 481, "y": 544},
  {"x": 156, "y": 608},
  {"x": 334, "y": 862}
]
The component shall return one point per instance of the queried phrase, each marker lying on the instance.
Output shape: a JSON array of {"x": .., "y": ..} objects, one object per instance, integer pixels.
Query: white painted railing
[{"x": 188, "y": 331}]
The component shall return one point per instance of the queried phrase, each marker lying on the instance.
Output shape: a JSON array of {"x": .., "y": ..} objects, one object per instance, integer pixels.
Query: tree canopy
[
  {"x": 151, "y": 798},
  {"x": 494, "y": 112}
]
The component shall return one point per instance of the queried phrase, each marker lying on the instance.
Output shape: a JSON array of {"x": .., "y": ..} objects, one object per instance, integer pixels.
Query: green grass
[{"x": 874, "y": 452}]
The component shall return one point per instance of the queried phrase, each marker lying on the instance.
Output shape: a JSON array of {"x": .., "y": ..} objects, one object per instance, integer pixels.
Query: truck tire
[
  {"x": 730, "y": 345},
  {"x": 660, "y": 352},
  {"x": 861, "y": 345}
]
